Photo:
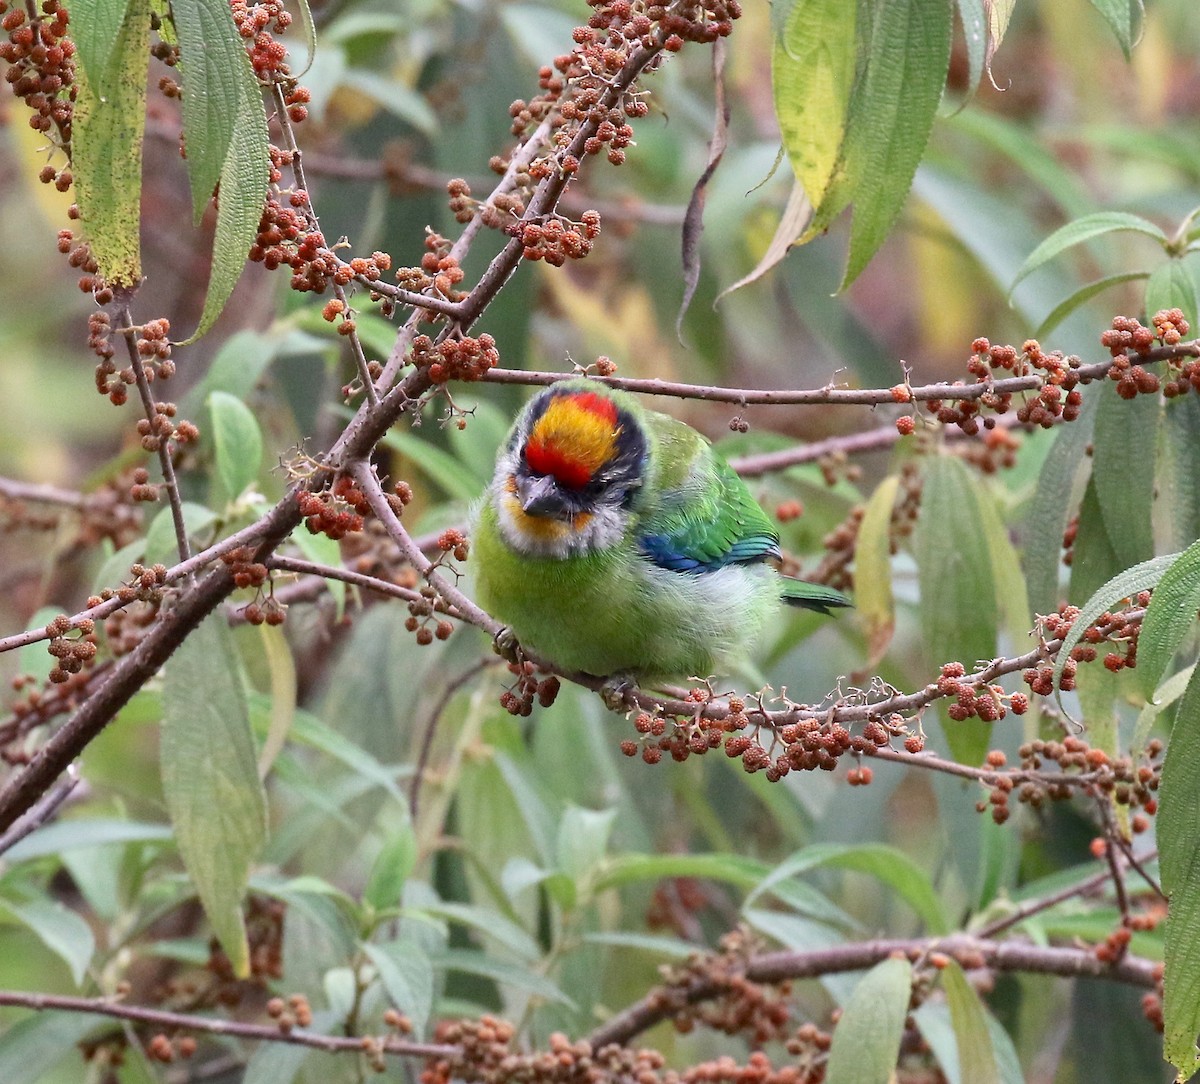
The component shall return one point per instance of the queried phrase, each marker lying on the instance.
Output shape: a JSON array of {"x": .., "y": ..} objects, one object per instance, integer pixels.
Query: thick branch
[{"x": 777, "y": 967}]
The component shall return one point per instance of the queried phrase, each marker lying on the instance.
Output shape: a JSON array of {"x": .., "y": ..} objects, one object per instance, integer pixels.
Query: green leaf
[
  {"x": 96, "y": 30},
  {"x": 1178, "y": 473},
  {"x": 323, "y": 550},
  {"x": 210, "y": 778},
  {"x": 958, "y": 595},
  {"x": 873, "y": 569},
  {"x": 583, "y": 839},
  {"x": 672, "y": 947},
  {"x": 1164, "y": 696},
  {"x": 1170, "y": 616},
  {"x": 1093, "y": 557},
  {"x": 976, "y": 1054},
  {"x": 406, "y": 972},
  {"x": 1126, "y": 432},
  {"x": 106, "y": 149},
  {"x": 887, "y": 864},
  {"x": 62, "y": 931},
  {"x": 470, "y": 962},
  {"x": 237, "y": 441},
  {"x": 866, "y": 1042},
  {"x": 1081, "y": 230},
  {"x": 1012, "y": 600},
  {"x": 1139, "y": 578},
  {"x": 1171, "y": 286},
  {"x": 812, "y": 72},
  {"x": 973, "y": 17},
  {"x": 1119, "y": 15},
  {"x": 442, "y": 468},
  {"x": 235, "y": 368},
  {"x": 1080, "y": 297},
  {"x": 891, "y": 117},
  {"x": 390, "y": 870},
  {"x": 282, "y": 670},
  {"x": 489, "y": 923},
  {"x": 731, "y": 868},
  {"x": 33, "y": 1046},
  {"x": 1046, "y": 518},
  {"x": 212, "y": 62},
  {"x": 225, "y": 129},
  {"x": 1178, "y": 832},
  {"x": 70, "y": 835},
  {"x": 161, "y": 545}
]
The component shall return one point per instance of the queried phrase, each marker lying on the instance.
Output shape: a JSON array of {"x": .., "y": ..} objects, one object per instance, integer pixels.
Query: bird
[{"x": 616, "y": 541}]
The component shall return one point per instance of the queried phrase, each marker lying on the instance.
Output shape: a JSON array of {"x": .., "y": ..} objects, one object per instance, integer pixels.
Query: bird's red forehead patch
[{"x": 574, "y": 437}]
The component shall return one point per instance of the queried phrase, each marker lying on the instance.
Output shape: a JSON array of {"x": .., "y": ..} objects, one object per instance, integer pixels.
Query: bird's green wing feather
[{"x": 705, "y": 516}]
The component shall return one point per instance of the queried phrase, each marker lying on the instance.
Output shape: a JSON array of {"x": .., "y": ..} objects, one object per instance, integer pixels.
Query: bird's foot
[
  {"x": 617, "y": 693},
  {"x": 504, "y": 644}
]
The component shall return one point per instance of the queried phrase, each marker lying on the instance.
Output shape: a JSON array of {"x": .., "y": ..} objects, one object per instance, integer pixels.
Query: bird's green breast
[{"x": 611, "y": 611}]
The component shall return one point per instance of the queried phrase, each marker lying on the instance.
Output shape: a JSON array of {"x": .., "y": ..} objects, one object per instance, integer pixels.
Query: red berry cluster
[
  {"x": 337, "y": 513},
  {"x": 255, "y": 22},
  {"x": 462, "y": 358},
  {"x": 556, "y": 241},
  {"x": 423, "y": 619},
  {"x": 1128, "y": 336},
  {"x": 41, "y": 70},
  {"x": 79, "y": 255},
  {"x": 166, "y": 1049},
  {"x": 986, "y": 702},
  {"x": 286, "y": 236},
  {"x": 518, "y": 698}
]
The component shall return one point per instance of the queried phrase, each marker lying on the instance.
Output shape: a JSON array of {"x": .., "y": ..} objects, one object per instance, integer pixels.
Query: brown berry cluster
[
  {"x": 988, "y": 703},
  {"x": 841, "y": 543},
  {"x": 1116, "y": 779},
  {"x": 286, "y": 236},
  {"x": 293, "y": 1013},
  {"x": 742, "y": 1007},
  {"x": 423, "y": 619},
  {"x": 166, "y": 1048},
  {"x": 462, "y": 358},
  {"x": 41, "y": 70},
  {"x": 438, "y": 269},
  {"x": 337, "y": 513},
  {"x": 264, "y": 931},
  {"x": 72, "y": 655},
  {"x": 125, "y": 628},
  {"x": 518, "y": 698},
  {"x": 556, "y": 240},
  {"x": 1128, "y": 336},
  {"x": 255, "y": 23},
  {"x": 453, "y": 541},
  {"x": 79, "y": 255}
]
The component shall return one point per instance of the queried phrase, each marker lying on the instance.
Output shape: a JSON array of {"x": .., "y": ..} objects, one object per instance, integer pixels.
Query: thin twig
[
  {"x": 175, "y": 1021},
  {"x": 125, "y": 324},
  {"x": 45, "y": 808}
]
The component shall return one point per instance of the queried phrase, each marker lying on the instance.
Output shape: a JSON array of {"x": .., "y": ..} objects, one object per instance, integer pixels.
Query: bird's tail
[{"x": 812, "y": 596}]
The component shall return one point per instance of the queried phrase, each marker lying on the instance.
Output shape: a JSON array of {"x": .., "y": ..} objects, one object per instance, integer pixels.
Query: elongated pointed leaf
[
  {"x": 60, "y": 929},
  {"x": 225, "y": 130},
  {"x": 96, "y": 30},
  {"x": 973, "y": 17},
  {"x": 1177, "y": 474},
  {"x": 1119, "y": 16},
  {"x": 106, "y": 149},
  {"x": 407, "y": 975},
  {"x": 812, "y": 71},
  {"x": 1126, "y": 432},
  {"x": 1178, "y": 834},
  {"x": 1080, "y": 297},
  {"x": 873, "y": 570},
  {"x": 237, "y": 442},
  {"x": 958, "y": 596},
  {"x": 210, "y": 778},
  {"x": 1171, "y": 286},
  {"x": 1081, "y": 230},
  {"x": 976, "y": 1054},
  {"x": 1169, "y": 618},
  {"x": 866, "y": 1041},
  {"x": 892, "y": 115},
  {"x": 1139, "y": 578}
]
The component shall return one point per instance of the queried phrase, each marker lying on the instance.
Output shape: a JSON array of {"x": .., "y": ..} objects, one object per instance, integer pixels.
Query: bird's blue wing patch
[{"x": 698, "y": 550}]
